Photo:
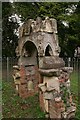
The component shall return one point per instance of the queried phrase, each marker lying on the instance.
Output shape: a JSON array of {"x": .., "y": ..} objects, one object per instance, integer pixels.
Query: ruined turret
[{"x": 42, "y": 70}]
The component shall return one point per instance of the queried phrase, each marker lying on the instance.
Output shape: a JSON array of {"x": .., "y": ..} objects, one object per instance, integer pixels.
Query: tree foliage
[
  {"x": 9, "y": 39},
  {"x": 69, "y": 37}
]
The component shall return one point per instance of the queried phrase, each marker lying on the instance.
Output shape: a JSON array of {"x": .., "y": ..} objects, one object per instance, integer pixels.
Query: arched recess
[
  {"x": 30, "y": 61},
  {"x": 48, "y": 51},
  {"x": 30, "y": 53}
]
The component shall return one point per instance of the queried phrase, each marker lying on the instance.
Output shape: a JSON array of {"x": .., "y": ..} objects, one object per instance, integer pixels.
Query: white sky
[{"x": 65, "y": 23}]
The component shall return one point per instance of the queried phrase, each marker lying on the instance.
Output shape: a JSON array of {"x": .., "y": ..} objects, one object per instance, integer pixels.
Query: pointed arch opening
[
  {"x": 29, "y": 49},
  {"x": 48, "y": 51}
]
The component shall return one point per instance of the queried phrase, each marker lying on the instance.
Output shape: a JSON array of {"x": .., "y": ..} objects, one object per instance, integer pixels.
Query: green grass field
[
  {"x": 0, "y": 98},
  {"x": 16, "y": 107},
  {"x": 74, "y": 90},
  {"x": 74, "y": 83}
]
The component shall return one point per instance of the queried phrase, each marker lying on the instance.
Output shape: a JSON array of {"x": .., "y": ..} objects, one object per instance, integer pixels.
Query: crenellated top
[{"x": 48, "y": 25}]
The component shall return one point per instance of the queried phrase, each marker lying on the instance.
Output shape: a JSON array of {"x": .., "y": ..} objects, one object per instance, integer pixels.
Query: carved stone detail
[{"x": 47, "y": 25}]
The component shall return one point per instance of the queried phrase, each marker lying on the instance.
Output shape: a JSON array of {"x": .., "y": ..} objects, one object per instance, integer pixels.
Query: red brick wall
[
  {"x": 23, "y": 90},
  {"x": 22, "y": 74},
  {"x": 41, "y": 101}
]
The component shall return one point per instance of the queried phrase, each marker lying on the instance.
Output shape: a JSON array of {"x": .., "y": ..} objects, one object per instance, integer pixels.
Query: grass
[
  {"x": 74, "y": 90},
  {"x": 16, "y": 107},
  {"x": 0, "y": 98},
  {"x": 74, "y": 83}
]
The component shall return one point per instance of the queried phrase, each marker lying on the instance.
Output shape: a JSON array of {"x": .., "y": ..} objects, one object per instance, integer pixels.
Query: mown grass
[
  {"x": 0, "y": 99},
  {"x": 16, "y": 107},
  {"x": 74, "y": 83},
  {"x": 74, "y": 90}
]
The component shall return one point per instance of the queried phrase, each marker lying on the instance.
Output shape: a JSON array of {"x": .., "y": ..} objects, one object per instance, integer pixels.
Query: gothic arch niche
[
  {"x": 30, "y": 54},
  {"x": 48, "y": 51},
  {"x": 30, "y": 61}
]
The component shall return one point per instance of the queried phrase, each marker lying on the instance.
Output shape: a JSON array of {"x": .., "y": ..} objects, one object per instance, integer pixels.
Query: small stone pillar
[
  {"x": 57, "y": 98},
  {"x": 16, "y": 76}
]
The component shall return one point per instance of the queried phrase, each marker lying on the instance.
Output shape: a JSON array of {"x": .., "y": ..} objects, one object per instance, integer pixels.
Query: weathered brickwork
[{"x": 41, "y": 101}]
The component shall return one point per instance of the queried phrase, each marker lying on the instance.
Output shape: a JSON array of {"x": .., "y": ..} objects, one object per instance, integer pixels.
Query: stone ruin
[{"x": 41, "y": 70}]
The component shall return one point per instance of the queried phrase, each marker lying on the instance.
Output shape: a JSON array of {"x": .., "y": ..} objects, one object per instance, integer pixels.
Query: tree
[
  {"x": 9, "y": 39},
  {"x": 68, "y": 13}
]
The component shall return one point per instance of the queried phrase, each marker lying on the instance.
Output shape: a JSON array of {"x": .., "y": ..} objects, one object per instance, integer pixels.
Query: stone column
[{"x": 57, "y": 98}]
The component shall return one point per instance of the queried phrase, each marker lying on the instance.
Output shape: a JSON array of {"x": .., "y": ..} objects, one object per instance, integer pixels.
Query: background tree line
[{"x": 68, "y": 20}]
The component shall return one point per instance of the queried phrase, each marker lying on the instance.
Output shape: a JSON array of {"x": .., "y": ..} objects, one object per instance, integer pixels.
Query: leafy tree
[
  {"x": 9, "y": 39},
  {"x": 68, "y": 12}
]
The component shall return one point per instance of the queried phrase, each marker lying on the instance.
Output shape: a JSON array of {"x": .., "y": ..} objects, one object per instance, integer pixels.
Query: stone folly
[{"x": 40, "y": 69}]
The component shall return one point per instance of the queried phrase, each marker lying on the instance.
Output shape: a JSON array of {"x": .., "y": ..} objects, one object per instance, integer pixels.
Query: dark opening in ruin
[
  {"x": 30, "y": 49},
  {"x": 48, "y": 51},
  {"x": 30, "y": 54}
]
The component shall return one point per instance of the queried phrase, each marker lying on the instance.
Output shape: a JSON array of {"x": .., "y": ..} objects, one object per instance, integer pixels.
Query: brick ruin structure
[{"x": 41, "y": 70}]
